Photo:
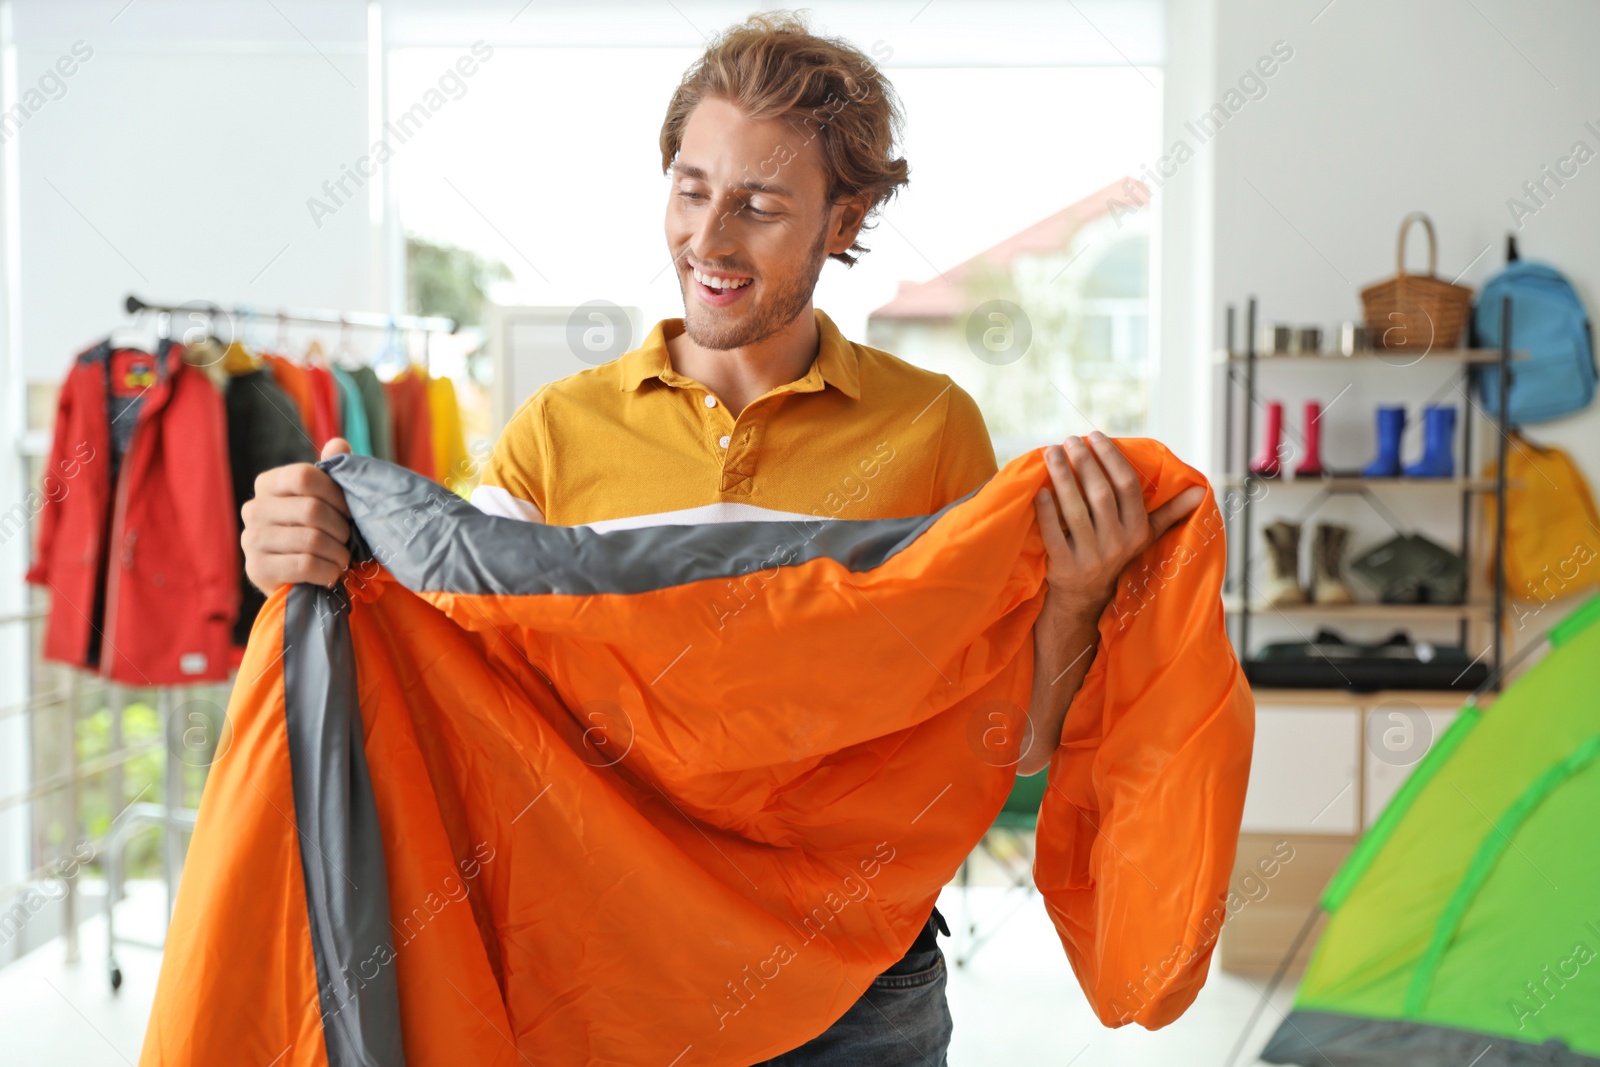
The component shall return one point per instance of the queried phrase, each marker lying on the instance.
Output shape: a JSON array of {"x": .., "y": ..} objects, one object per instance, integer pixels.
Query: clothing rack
[{"x": 316, "y": 317}]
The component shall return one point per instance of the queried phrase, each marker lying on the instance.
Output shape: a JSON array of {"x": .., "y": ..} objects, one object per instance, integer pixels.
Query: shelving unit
[
  {"x": 1469, "y": 611},
  {"x": 1324, "y": 761},
  {"x": 1240, "y": 372},
  {"x": 1393, "y": 357},
  {"x": 1347, "y": 484}
]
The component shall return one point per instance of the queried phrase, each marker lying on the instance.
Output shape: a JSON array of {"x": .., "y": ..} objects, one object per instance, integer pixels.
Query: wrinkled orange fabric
[{"x": 617, "y": 834}]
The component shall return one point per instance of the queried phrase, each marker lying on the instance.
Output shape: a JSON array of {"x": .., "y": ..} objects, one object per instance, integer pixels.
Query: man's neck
[{"x": 740, "y": 375}]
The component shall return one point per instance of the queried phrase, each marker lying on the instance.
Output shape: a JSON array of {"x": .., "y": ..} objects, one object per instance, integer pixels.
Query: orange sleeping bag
[{"x": 536, "y": 794}]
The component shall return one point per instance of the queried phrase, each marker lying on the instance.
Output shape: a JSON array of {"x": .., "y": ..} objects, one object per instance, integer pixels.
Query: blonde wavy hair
[{"x": 773, "y": 66}]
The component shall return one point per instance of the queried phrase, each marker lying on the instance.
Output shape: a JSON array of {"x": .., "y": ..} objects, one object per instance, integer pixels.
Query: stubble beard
[{"x": 709, "y": 328}]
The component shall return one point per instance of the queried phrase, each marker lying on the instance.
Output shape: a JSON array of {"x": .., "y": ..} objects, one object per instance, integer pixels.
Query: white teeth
[{"x": 718, "y": 283}]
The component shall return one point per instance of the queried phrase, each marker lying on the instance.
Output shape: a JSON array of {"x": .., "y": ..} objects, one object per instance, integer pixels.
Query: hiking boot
[
  {"x": 1283, "y": 565},
  {"x": 1328, "y": 543}
]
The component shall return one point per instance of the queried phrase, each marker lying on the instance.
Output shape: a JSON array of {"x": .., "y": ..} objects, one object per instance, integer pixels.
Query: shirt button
[
  {"x": 723, "y": 440},
  {"x": 711, "y": 401}
]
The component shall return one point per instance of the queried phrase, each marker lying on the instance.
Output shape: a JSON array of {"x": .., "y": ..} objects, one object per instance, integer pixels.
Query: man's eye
[
  {"x": 757, "y": 211},
  {"x": 691, "y": 196}
]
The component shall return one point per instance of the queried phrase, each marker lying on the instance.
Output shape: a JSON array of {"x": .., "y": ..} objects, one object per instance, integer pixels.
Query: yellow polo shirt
[{"x": 633, "y": 443}]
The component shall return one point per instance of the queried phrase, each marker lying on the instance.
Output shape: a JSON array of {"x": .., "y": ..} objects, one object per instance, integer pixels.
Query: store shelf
[
  {"x": 1397, "y": 357},
  {"x": 1272, "y": 699},
  {"x": 1357, "y": 483},
  {"x": 1475, "y": 622},
  {"x": 1449, "y": 612}
]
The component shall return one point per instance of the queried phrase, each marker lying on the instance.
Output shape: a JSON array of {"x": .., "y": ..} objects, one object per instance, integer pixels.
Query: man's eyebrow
[{"x": 689, "y": 170}]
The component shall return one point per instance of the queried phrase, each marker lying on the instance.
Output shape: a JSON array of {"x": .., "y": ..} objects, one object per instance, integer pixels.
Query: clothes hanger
[
  {"x": 281, "y": 344},
  {"x": 390, "y": 353},
  {"x": 137, "y": 336},
  {"x": 345, "y": 354},
  {"x": 410, "y": 365}
]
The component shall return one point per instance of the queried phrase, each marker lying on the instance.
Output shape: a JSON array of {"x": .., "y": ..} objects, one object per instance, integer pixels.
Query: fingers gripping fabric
[{"x": 676, "y": 795}]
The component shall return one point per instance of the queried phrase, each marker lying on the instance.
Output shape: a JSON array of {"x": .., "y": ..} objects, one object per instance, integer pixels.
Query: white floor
[{"x": 1015, "y": 1002}]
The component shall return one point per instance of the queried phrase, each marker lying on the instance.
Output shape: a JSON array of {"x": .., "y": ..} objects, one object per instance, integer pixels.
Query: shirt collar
[{"x": 836, "y": 363}]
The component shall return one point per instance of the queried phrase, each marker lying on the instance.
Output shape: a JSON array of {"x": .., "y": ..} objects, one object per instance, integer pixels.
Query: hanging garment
[
  {"x": 352, "y": 413},
  {"x": 550, "y": 806},
  {"x": 412, "y": 421},
  {"x": 450, "y": 464},
  {"x": 292, "y": 379},
  {"x": 375, "y": 402},
  {"x": 264, "y": 431},
  {"x": 1552, "y": 547},
  {"x": 238, "y": 359},
  {"x": 138, "y": 542},
  {"x": 209, "y": 355},
  {"x": 324, "y": 406}
]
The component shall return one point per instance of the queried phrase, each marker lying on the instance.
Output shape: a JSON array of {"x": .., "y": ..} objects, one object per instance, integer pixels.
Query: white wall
[
  {"x": 1384, "y": 109},
  {"x": 178, "y": 166}
]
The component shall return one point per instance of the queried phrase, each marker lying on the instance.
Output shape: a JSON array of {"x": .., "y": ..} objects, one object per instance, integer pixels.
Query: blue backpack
[{"x": 1549, "y": 322}]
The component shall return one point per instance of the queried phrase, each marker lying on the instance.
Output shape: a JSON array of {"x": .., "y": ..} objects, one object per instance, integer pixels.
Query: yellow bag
[{"x": 1552, "y": 528}]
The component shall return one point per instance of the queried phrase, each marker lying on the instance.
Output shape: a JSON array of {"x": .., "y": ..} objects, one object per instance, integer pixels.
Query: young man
[{"x": 753, "y": 405}]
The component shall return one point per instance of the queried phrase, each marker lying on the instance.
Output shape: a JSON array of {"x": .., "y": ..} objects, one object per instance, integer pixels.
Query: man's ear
[{"x": 844, "y": 223}]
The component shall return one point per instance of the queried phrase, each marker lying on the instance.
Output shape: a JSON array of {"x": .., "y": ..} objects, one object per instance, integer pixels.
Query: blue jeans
[{"x": 901, "y": 1020}]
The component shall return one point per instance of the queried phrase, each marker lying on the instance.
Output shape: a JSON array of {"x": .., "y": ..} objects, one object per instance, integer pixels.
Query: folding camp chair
[{"x": 1009, "y": 844}]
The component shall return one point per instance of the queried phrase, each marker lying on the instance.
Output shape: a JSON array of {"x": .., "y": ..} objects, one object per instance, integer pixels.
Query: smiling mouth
[
  {"x": 718, "y": 290},
  {"x": 719, "y": 282}
]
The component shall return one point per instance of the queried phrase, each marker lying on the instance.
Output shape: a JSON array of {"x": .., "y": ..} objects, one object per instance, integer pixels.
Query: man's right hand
[{"x": 296, "y": 526}]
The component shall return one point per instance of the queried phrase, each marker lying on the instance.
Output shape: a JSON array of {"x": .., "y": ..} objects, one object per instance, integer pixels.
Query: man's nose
[{"x": 713, "y": 236}]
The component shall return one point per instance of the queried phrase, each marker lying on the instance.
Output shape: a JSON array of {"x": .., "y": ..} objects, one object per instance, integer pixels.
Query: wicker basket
[{"x": 1416, "y": 311}]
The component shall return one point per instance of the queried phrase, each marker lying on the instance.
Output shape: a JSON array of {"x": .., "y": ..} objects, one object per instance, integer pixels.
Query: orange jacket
[{"x": 532, "y": 794}]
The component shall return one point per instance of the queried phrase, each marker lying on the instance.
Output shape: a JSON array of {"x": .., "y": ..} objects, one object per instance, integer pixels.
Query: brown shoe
[
  {"x": 1327, "y": 559},
  {"x": 1283, "y": 564}
]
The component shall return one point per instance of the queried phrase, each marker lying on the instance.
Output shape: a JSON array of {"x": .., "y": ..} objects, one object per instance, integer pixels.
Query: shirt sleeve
[
  {"x": 514, "y": 479},
  {"x": 966, "y": 453}
]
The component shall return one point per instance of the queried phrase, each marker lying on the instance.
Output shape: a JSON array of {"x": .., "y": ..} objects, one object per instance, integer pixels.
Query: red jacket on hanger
[
  {"x": 138, "y": 472},
  {"x": 412, "y": 421},
  {"x": 324, "y": 406}
]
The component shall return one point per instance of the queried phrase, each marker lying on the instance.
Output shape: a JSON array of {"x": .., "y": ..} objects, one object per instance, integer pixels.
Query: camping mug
[
  {"x": 1353, "y": 338},
  {"x": 1276, "y": 339}
]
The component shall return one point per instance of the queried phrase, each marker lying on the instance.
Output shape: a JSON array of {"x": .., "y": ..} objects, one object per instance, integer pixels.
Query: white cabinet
[
  {"x": 1327, "y": 762},
  {"x": 1304, "y": 771}
]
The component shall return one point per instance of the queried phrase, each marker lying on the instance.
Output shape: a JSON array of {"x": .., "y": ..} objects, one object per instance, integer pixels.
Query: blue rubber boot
[
  {"x": 1438, "y": 443},
  {"x": 1391, "y": 424}
]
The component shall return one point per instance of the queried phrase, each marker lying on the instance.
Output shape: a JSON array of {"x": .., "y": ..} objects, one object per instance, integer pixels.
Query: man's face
[{"x": 747, "y": 209}]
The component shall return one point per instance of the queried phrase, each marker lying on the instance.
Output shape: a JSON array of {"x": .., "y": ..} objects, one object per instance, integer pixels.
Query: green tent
[{"x": 1464, "y": 930}]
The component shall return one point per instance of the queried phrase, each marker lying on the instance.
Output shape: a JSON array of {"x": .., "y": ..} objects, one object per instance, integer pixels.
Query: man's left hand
[{"x": 1095, "y": 522}]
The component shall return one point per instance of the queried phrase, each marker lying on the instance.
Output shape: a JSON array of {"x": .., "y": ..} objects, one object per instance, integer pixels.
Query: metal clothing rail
[
  {"x": 56, "y": 713},
  {"x": 318, "y": 317}
]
